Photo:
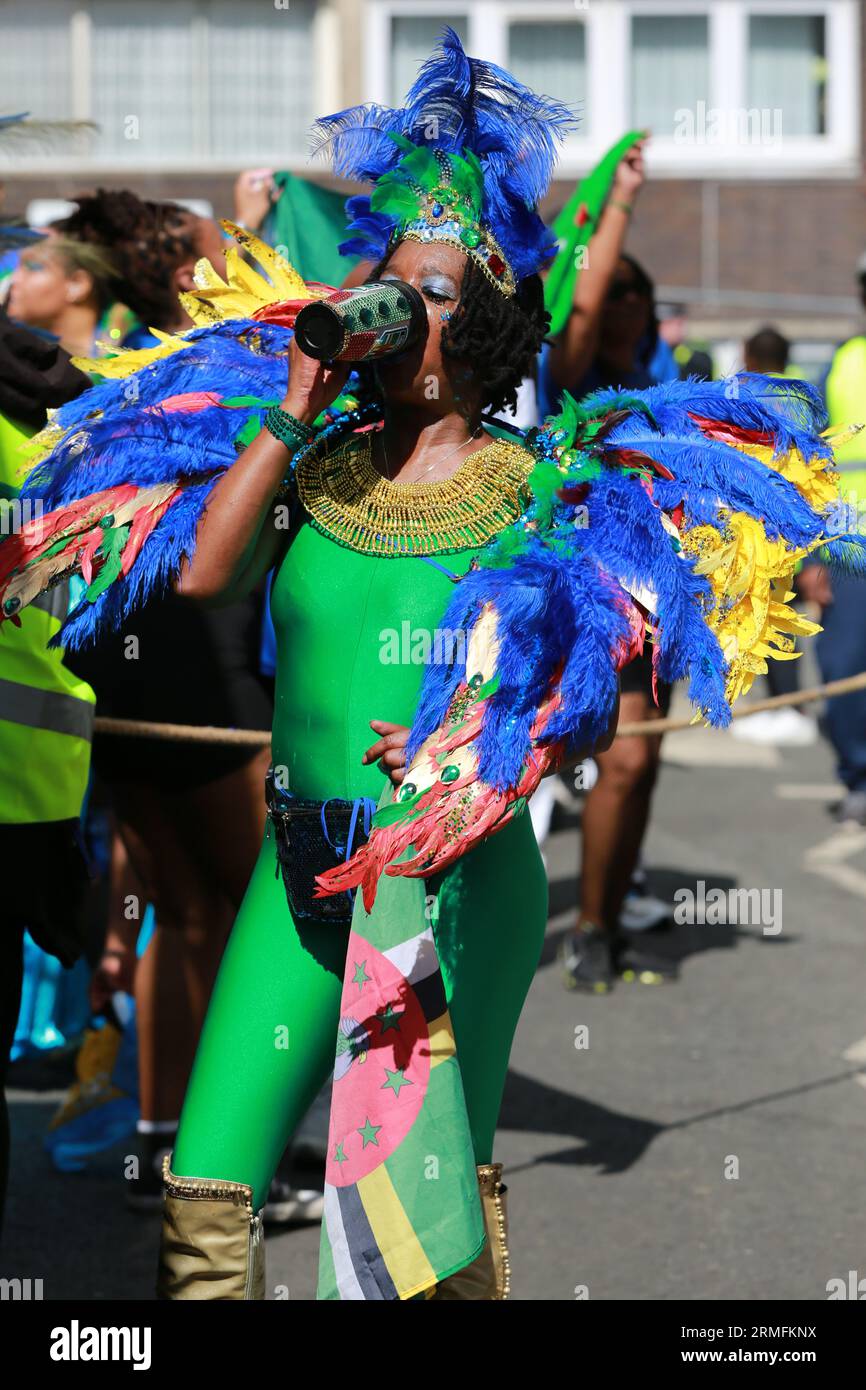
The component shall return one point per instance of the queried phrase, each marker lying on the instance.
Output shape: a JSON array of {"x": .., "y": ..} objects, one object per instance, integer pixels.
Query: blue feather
[{"x": 458, "y": 103}]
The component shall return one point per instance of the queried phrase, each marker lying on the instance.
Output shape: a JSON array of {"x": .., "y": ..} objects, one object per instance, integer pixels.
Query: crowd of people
[{"x": 183, "y": 823}]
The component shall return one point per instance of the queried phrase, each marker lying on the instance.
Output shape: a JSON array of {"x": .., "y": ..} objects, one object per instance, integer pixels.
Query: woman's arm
[
  {"x": 240, "y": 536},
  {"x": 389, "y": 750},
  {"x": 573, "y": 352}
]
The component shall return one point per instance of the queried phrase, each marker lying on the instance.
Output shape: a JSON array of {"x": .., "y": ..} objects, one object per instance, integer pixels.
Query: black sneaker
[
  {"x": 851, "y": 808},
  {"x": 638, "y": 963},
  {"x": 586, "y": 960}
]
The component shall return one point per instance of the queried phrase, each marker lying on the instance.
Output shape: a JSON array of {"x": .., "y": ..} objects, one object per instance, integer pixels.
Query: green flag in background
[
  {"x": 308, "y": 223},
  {"x": 574, "y": 227}
]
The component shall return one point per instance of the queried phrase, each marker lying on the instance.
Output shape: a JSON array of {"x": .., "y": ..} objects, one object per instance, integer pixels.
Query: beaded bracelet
[{"x": 287, "y": 429}]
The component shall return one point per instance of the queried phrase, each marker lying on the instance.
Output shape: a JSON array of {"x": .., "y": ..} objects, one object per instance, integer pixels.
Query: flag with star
[{"x": 401, "y": 1196}]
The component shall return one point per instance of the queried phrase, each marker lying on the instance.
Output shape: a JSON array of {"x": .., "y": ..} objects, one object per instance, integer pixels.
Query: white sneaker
[
  {"x": 642, "y": 912},
  {"x": 784, "y": 728},
  {"x": 293, "y": 1204}
]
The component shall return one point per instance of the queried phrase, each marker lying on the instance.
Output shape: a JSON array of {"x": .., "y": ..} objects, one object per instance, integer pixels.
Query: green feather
[
  {"x": 467, "y": 180},
  {"x": 251, "y": 430},
  {"x": 397, "y": 811},
  {"x": 111, "y": 549},
  {"x": 395, "y": 200},
  {"x": 591, "y": 194}
]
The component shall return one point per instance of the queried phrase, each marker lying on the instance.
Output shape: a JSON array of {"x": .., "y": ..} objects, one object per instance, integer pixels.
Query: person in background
[
  {"x": 62, "y": 288},
  {"x": 153, "y": 247},
  {"x": 191, "y": 816},
  {"x": 769, "y": 353},
  {"x": 675, "y": 358},
  {"x": 46, "y": 723},
  {"x": 670, "y": 348},
  {"x": 610, "y": 339},
  {"x": 841, "y": 647}
]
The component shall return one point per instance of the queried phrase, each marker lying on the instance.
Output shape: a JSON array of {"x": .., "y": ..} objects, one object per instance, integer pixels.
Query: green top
[
  {"x": 353, "y": 631},
  {"x": 359, "y": 599}
]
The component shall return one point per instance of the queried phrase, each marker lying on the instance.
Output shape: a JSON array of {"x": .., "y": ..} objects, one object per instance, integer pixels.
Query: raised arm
[
  {"x": 573, "y": 352},
  {"x": 238, "y": 539}
]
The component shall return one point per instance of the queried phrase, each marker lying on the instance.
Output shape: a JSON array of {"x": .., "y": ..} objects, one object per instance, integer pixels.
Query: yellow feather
[{"x": 130, "y": 360}]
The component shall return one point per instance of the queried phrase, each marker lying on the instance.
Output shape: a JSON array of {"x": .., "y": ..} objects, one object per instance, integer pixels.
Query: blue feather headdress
[{"x": 465, "y": 161}]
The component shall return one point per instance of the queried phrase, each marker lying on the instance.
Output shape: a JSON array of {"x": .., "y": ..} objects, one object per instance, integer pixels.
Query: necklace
[
  {"x": 347, "y": 498},
  {"x": 424, "y": 471}
]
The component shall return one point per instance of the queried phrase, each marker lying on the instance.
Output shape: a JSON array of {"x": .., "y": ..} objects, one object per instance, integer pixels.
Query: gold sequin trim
[{"x": 348, "y": 499}]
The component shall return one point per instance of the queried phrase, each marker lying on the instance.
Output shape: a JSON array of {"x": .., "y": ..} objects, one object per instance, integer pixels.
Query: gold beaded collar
[{"x": 348, "y": 499}]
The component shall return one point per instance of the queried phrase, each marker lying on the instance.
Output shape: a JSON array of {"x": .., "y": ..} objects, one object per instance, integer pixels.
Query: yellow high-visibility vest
[
  {"x": 846, "y": 405},
  {"x": 46, "y": 712}
]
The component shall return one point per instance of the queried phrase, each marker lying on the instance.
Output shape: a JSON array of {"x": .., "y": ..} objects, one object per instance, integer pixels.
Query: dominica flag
[{"x": 402, "y": 1209}]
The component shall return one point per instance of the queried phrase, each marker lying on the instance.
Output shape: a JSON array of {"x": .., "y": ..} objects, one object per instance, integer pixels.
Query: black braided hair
[
  {"x": 497, "y": 336},
  {"x": 147, "y": 242}
]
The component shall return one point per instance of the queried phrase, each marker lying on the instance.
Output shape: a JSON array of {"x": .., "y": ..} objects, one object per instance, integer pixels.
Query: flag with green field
[
  {"x": 402, "y": 1209},
  {"x": 574, "y": 228},
  {"x": 307, "y": 222}
]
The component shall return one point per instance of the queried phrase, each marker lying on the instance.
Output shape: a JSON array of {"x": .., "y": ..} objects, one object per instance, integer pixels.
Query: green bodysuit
[{"x": 348, "y": 625}]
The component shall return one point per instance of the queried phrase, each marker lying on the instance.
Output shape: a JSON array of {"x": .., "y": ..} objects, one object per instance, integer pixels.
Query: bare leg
[
  {"x": 194, "y": 852},
  {"x": 615, "y": 817}
]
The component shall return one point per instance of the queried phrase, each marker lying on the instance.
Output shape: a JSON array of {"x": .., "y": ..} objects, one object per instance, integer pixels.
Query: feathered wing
[
  {"x": 122, "y": 474},
  {"x": 679, "y": 512}
]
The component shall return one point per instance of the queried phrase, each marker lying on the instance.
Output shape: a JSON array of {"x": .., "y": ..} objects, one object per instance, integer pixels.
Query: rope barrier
[
  {"x": 800, "y": 697},
  {"x": 260, "y": 738}
]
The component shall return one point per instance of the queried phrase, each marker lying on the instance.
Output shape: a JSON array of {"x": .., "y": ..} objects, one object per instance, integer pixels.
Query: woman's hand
[
  {"x": 255, "y": 191},
  {"x": 389, "y": 749},
  {"x": 630, "y": 174},
  {"x": 312, "y": 385},
  {"x": 115, "y": 971}
]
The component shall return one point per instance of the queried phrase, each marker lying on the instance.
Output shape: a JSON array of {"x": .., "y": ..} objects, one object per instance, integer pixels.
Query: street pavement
[{"x": 707, "y": 1143}]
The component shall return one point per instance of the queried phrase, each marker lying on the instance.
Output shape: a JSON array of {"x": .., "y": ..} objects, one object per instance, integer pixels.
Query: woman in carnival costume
[{"x": 523, "y": 574}]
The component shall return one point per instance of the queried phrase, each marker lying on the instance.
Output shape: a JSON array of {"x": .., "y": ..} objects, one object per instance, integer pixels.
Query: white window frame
[
  {"x": 325, "y": 59},
  {"x": 607, "y": 108}
]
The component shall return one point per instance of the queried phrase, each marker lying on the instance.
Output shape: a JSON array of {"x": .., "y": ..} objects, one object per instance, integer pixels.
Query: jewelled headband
[{"x": 437, "y": 195}]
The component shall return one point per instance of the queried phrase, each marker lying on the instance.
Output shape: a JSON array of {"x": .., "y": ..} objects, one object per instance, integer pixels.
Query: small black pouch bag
[{"x": 313, "y": 836}]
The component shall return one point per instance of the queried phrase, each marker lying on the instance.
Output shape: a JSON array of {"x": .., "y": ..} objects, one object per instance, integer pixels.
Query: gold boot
[
  {"x": 489, "y": 1274},
  {"x": 212, "y": 1244}
]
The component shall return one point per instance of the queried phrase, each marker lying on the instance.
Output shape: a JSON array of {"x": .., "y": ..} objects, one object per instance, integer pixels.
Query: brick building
[{"x": 754, "y": 208}]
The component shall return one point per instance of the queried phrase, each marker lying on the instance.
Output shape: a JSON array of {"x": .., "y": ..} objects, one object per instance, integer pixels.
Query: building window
[
  {"x": 670, "y": 69},
  {"x": 180, "y": 83},
  {"x": 413, "y": 38},
  {"x": 35, "y": 71},
  {"x": 143, "y": 98},
  {"x": 550, "y": 57},
  {"x": 268, "y": 112},
  {"x": 787, "y": 70}
]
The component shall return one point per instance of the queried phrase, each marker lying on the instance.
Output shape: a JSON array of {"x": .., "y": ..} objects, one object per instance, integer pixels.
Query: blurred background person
[
  {"x": 769, "y": 352},
  {"x": 153, "y": 247},
  {"x": 46, "y": 720},
  {"x": 841, "y": 647},
  {"x": 191, "y": 816},
  {"x": 62, "y": 287},
  {"x": 610, "y": 339}
]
